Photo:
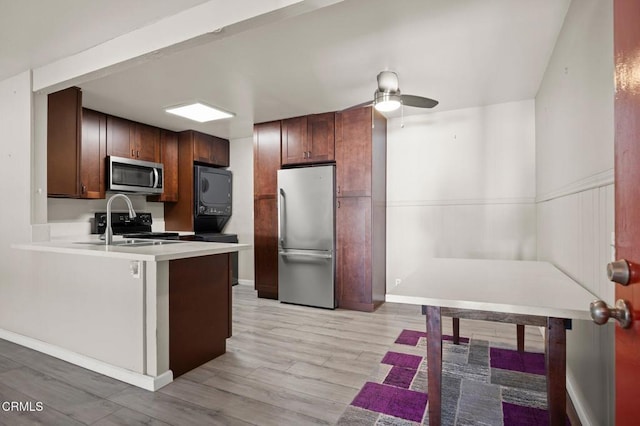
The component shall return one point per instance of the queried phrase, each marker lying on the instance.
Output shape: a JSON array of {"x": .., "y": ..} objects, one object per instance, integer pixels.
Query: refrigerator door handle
[
  {"x": 326, "y": 255},
  {"x": 281, "y": 218}
]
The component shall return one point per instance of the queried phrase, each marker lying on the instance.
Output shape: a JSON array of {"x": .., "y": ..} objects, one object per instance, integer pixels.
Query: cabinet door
[
  {"x": 353, "y": 262},
  {"x": 266, "y": 246},
  {"x": 146, "y": 144},
  {"x": 119, "y": 135},
  {"x": 201, "y": 147},
  {"x": 93, "y": 153},
  {"x": 219, "y": 152},
  {"x": 353, "y": 152},
  {"x": 169, "y": 159},
  {"x": 63, "y": 147},
  {"x": 321, "y": 137},
  {"x": 266, "y": 158},
  {"x": 294, "y": 140}
]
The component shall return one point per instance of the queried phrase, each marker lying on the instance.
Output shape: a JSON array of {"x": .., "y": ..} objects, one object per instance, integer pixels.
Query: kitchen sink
[{"x": 132, "y": 242}]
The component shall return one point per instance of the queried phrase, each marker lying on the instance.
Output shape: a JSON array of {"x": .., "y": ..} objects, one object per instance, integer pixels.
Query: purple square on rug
[
  {"x": 403, "y": 403},
  {"x": 526, "y": 362},
  {"x": 400, "y": 377},
  {"x": 517, "y": 415},
  {"x": 410, "y": 337},
  {"x": 402, "y": 360}
]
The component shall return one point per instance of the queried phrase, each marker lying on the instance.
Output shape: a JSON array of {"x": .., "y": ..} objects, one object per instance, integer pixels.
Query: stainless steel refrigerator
[{"x": 306, "y": 236}]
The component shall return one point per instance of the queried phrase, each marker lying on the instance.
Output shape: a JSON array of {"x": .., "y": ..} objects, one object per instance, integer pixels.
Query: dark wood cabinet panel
[
  {"x": 199, "y": 310},
  {"x": 119, "y": 135},
  {"x": 63, "y": 147},
  {"x": 169, "y": 158},
  {"x": 294, "y": 140},
  {"x": 308, "y": 139},
  {"x": 353, "y": 266},
  {"x": 353, "y": 152},
  {"x": 266, "y": 158},
  {"x": 266, "y": 246},
  {"x": 146, "y": 142},
  {"x": 93, "y": 153},
  {"x": 321, "y": 137},
  {"x": 210, "y": 149}
]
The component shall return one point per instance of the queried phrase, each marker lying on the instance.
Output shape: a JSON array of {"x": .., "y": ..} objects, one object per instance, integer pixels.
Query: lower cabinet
[
  {"x": 199, "y": 310},
  {"x": 360, "y": 266},
  {"x": 266, "y": 246}
]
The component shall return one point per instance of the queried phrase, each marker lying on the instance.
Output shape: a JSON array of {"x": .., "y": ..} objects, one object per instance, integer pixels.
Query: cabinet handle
[
  {"x": 338, "y": 189},
  {"x": 137, "y": 154},
  {"x": 133, "y": 153},
  {"x": 338, "y": 203},
  {"x": 83, "y": 189},
  {"x": 308, "y": 154}
]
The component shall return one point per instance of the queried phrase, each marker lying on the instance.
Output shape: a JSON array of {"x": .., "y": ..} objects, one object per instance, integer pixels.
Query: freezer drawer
[{"x": 306, "y": 277}]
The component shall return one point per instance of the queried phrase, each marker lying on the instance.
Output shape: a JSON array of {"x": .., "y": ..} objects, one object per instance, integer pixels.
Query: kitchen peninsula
[{"x": 142, "y": 312}]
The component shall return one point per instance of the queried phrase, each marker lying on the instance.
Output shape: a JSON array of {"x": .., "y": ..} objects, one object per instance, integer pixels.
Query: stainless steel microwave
[{"x": 129, "y": 175}]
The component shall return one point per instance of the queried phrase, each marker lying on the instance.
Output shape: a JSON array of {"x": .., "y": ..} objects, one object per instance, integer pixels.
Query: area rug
[{"x": 483, "y": 384}]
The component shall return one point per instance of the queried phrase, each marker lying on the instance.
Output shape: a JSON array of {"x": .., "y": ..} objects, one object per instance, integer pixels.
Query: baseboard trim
[
  {"x": 149, "y": 383},
  {"x": 246, "y": 282}
]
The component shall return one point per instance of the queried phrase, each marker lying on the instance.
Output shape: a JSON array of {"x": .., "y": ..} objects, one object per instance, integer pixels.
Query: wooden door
[
  {"x": 169, "y": 159},
  {"x": 219, "y": 152},
  {"x": 93, "y": 154},
  {"x": 266, "y": 158},
  {"x": 146, "y": 144},
  {"x": 627, "y": 201},
  {"x": 201, "y": 147},
  {"x": 63, "y": 148},
  {"x": 353, "y": 152},
  {"x": 353, "y": 262},
  {"x": 321, "y": 137},
  {"x": 294, "y": 140},
  {"x": 119, "y": 137}
]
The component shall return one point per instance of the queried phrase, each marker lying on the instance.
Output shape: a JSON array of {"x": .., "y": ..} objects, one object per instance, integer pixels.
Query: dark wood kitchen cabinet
[
  {"x": 129, "y": 139},
  {"x": 210, "y": 149},
  {"x": 169, "y": 159},
  {"x": 75, "y": 147},
  {"x": 266, "y": 162},
  {"x": 308, "y": 139},
  {"x": 179, "y": 215},
  {"x": 361, "y": 209}
]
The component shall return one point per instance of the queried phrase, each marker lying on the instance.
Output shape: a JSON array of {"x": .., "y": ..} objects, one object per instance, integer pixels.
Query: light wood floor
[{"x": 285, "y": 365}]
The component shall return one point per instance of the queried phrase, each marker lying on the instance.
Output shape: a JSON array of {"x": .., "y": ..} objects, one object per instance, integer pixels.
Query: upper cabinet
[
  {"x": 76, "y": 147},
  {"x": 169, "y": 159},
  {"x": 128, "y": 139},
  {"x": 209, "y": 149},
  {"x": 308, "y": 139}
]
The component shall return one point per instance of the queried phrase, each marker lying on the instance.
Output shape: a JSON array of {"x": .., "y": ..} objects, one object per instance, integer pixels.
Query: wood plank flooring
[{"x": 285, "y": 365}]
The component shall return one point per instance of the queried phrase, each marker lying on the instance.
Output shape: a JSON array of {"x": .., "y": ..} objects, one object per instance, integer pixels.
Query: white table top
[{"x": 510, "y": 286}]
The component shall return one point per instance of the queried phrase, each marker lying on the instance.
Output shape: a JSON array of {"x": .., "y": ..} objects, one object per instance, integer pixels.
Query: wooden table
[{"x": 521, "y": 292}]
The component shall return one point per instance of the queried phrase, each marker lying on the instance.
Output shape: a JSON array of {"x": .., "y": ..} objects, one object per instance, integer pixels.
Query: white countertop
[
  {"x": 154, "y": 253},
  {"x": 510, "y": 286}
]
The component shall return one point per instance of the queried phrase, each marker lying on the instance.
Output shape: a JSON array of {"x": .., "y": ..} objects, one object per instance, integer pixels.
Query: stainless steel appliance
[
  {"x": 212, "y": 198},
  {"x": 306, "y": 236},
  {"x": 129, "y": 175}
]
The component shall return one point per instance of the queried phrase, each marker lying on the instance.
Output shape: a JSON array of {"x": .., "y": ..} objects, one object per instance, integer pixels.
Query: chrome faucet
[{"x": 108, "y": 233}]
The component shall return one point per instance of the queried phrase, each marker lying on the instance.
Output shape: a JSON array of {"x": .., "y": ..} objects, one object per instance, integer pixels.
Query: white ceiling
[{"x": 463, "y": 53}]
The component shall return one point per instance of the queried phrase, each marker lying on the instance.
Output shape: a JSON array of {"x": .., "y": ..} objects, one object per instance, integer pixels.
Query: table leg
[
  {"x": 520, "y": 333},
  {"x": 555, "y": 358},
  {"x": 434, "y": 361},
  {"x": 456, "y": 331}
]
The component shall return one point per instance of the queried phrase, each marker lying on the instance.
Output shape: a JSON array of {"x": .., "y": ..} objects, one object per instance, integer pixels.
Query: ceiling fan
[{"x": 389, "y": 98}]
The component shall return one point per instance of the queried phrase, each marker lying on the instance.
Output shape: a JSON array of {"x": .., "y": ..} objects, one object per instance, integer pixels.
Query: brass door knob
[{"x": 600, "y": 313}]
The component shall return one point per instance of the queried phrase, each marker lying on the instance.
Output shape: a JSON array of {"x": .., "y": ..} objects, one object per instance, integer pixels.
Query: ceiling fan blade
[
  {"x": 364, "y": 104},
  {"x": 418, "y": 101}
]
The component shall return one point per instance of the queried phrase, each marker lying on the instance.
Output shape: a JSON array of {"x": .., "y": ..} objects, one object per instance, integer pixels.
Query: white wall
[
  {"x": 241, "y": 222},
  {"x": 574, "y": 169},
  {"x": 461, "y": 184}
]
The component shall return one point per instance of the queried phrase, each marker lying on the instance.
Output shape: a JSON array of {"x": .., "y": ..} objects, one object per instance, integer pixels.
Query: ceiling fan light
[{"x": 385, "y": 102}]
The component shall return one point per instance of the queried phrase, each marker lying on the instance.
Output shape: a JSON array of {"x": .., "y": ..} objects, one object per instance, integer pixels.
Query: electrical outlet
[
  {"x": 135, "y": 266},
  {"x": 398, "y": 281}
]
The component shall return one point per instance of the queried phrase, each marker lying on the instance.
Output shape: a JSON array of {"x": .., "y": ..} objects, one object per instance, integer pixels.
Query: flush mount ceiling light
[{"x": 199, "y": 112}]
